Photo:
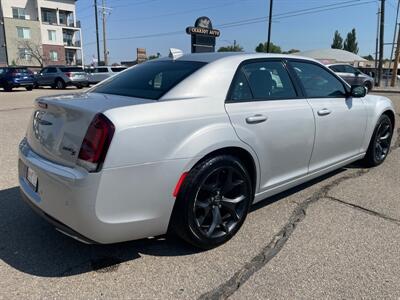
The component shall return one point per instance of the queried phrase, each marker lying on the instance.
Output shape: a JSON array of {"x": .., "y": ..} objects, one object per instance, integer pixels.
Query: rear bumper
[{"x": 111, "y": 206}]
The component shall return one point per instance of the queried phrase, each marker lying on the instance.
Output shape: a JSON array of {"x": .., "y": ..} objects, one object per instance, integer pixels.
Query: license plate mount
[{"x": 32, "y": 178}]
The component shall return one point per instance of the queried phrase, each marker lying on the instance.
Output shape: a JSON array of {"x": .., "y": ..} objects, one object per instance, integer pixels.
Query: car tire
[
  {"x": 59, "y": 84},
  {"x": 379, "y": 145},
  {"x": 79, "y": 86},
  {"x": 7, "y": 87},
  {"x": 29, "y": 87},
  {"x": 213, "y": 202}
]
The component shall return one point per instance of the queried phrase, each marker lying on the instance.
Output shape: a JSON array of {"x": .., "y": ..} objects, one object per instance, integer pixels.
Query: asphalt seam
[
  {"x": 365, "y": 210},
  {"x": 17, "y": 108},
  {"x": 230, "y": 286}
]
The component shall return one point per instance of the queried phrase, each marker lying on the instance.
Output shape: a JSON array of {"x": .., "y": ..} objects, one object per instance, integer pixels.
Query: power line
[{"x": 255, "y": 20}]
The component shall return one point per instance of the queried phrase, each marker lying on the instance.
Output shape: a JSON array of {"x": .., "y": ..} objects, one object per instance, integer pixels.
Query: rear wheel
[
  {"x": 60, "y": 84},
  {"x": 379, "y": 145},
  {"x": 29, "y": 87},
  {"x": 213, "y": 202}
]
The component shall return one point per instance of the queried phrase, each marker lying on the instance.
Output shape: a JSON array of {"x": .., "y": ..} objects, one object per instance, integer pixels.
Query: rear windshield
[
  {"x": 117, "y": 69},
  {"x": 149, "y": 80},
  {"x": 71, "y": 69}
]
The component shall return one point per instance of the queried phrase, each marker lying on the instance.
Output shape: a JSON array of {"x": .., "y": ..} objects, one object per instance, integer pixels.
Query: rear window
[
  {"x": 116, "y": 70},
  {"x": 71, "y": 69},
  {"x": 149, "y": 80}
]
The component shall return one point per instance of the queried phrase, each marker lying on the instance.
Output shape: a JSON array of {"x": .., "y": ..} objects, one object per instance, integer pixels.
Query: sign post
[{"x": 203, "y": 35}]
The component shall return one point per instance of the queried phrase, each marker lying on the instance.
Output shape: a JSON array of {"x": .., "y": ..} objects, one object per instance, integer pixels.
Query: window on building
[
  {"x": 24, "y": 54},
  {"x": 49, "y": 16},
  {"x": 52, "y": 35},
  {"x": 20, "y": 13},
  {"x": 24, "y": 33},
  {"x": 53, "y": 55}
]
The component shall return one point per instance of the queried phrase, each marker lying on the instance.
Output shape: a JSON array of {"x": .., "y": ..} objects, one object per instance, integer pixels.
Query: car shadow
[{"x": 31, "y": 245}]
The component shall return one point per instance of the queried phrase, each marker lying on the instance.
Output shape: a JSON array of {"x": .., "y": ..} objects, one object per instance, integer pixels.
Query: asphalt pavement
[{"x": 335, "y": 237}]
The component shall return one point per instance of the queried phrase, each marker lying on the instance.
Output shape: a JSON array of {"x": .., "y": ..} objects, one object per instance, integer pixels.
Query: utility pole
[
  {"x": 393, "y": 45},
  {"x": 381, "y": 41},
  {"x": 269, "y": 25},
  {"x": 97, "y": 31},
  {"x": 104, "y": 32},
  {"x": 377, "y": 46},
  {"x": 396, "y": 61}
]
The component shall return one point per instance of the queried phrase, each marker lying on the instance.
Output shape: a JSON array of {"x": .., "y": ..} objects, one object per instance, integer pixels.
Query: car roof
[
  {"x": 339, "y": 64},
  {"x": 214, "y": 56}
]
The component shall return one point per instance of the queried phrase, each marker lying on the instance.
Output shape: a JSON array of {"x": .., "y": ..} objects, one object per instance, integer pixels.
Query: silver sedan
[{"x": 187, "y": 143}]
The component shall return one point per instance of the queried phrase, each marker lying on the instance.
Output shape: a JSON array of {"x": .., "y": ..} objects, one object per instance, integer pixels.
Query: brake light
[
  {"x": 96, "y": 143},
  {"x": 68, "y": 74}
]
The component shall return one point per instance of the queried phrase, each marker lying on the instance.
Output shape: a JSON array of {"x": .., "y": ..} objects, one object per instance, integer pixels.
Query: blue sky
[{"x": 130, "y": 19}]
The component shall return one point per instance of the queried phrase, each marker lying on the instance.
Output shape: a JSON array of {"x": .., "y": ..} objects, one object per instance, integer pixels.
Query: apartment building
[{"x": 40, "y": 32}]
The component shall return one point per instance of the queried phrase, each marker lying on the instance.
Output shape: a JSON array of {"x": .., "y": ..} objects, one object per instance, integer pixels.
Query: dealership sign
[{"x": 203, "y": 35}]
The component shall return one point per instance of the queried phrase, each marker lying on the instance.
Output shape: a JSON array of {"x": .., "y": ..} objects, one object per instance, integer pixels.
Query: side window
[
  {"x": 350, "y": 69},
  {"x": 317, "y": 81},
  {"x": 240, "y": 88},
  {"x": 101, "y": 70},
  {"x": 44, "y": 71},
  {"x": 269, "y": 81},
  {"x": 51, "y": 70},
  {"x": 337, "y": 68}
]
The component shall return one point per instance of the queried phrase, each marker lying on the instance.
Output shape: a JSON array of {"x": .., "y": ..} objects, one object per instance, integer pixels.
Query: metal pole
[
  {"x": 394, "y": 41},
  {"x": 269, "y": 25},
  {"x": 376, "y": 47},
  {"x": 104, "y": 33},
  {"x": 396, "y": 62},
  {"x": 381, "y": 41},
  {"x": 97, "y": 31}
]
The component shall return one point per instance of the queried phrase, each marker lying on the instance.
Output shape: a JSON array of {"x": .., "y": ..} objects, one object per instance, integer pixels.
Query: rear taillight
[
  {"x": 96, "y": 142},
  {"x": 68, "y": 74}
]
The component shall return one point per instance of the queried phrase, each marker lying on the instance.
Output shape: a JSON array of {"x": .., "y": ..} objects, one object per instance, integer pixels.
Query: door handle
[
  {"x": 324, "y": 112},
  {"x": 256, "y": 119}
]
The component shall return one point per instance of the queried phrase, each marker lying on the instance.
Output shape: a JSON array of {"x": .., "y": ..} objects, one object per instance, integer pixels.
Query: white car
[
  {"x": 188, "y": 143},
  {"x": 98, "y": 74}
]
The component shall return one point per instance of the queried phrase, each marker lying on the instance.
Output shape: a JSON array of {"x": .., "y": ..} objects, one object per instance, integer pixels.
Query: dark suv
[
  {"x": 352, "y": 75},
  {"x": 11, "y": 77},
  {"x": 61, "y": 76}
]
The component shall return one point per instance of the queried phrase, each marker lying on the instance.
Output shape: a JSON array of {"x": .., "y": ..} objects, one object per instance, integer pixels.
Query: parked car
[
  {"x": 62, "y": 76},
  {"x": 353, "y": 76},
  {"x": 187, "y": 143},
  {"x": 97, "y": 74},
  {"x": 12, "y": 77}
]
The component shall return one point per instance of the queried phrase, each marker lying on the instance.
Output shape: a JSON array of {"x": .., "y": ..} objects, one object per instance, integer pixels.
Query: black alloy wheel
[
  {"x": 379, "y": 146},
  {"x": 213, "y": 202}
]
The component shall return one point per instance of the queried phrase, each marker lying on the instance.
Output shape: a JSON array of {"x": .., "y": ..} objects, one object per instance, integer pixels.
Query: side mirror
[{"x": 358, "y": 91}]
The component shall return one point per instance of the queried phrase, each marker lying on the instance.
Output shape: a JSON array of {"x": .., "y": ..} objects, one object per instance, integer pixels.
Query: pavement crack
[
  {"x": 365, "y": 210},
  {"x": 16, "y": 108},
  {"x": 230, "y": 286}
]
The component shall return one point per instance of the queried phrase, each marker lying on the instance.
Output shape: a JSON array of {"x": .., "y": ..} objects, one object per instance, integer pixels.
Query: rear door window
[
  {"x": 116, "y": 70},
  {"x": 149, "y": 80},
  {"x": 267, "y": 80},
  {"x": 101, "y": 70}
]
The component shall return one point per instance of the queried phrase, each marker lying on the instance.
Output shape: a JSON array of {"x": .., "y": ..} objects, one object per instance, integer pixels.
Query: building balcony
[{"x": 71, "y": 43}]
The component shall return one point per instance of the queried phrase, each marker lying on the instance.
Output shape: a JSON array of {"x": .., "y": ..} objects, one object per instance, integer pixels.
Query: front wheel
[
  {"x": 29, "y": 88},
  {"x": 60, "y": 84},
  {"x": 213, "y": 202},
  {"x": 379, "y": 145}
]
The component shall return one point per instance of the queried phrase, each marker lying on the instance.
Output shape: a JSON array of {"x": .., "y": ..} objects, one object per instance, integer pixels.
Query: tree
[
  {"x": 272, "y": 48},
  {"x": 231, "y": 48},
  {"x": 368, "y": 57},
  {"x": 158, "y": 55},
  {"x": 337, "y": 41},
  {"x": 291, "y": 51},
  {"x": 350, "y": 44},
  {"x": 35, "y": 51}
]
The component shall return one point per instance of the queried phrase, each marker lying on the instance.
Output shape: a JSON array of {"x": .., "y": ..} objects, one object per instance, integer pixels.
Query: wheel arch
[{"x": 391, "y": 116}]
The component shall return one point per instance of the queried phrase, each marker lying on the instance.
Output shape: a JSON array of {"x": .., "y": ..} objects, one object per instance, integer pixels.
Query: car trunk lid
[{"x": 59, "y": 124}]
